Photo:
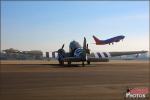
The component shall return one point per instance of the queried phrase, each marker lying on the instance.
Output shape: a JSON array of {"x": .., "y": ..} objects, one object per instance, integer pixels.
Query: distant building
[
  {"x": 34, "y": 54},
  {"x": 13, "y": 54}
]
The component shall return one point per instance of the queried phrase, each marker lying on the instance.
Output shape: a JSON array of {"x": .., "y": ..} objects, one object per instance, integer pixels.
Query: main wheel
[
  {"x": 69, "y": 62},
  {"x": 88, "y": 62},
  {"x": 61, "y": 62},
  {"x": 83, "y": 64}
]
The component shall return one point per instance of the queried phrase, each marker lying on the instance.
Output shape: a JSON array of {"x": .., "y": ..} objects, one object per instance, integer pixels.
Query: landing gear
[
  {"x": 83, "y": 63},
  {"x": 61, "y": 62},
  {"x": 69, "y": 62},
  {"x": 88, "y": 62}
]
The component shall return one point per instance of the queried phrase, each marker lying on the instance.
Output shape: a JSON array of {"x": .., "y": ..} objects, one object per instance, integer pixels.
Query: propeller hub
[{"x": 61, "y": 53}]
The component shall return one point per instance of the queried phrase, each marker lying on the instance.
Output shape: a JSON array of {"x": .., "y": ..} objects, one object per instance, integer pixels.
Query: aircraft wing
[
  {"x": 113, "y": 54},
  {"x": 104, "y": 56},
  {"x": 99, "y": 56}
]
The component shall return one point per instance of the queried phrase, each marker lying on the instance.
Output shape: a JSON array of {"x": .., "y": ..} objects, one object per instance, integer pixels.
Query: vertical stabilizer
[{"x": 96, "y": 40}]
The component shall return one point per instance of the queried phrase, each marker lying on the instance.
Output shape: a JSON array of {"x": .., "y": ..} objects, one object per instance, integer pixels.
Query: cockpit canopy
[{"x": 74, "y": 45}]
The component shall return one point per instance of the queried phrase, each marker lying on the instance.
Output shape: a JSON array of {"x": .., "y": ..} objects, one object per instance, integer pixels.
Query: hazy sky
[{"x": 46, "y": 25}]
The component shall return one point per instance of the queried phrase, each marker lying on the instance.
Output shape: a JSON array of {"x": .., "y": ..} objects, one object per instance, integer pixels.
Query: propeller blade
[
  {"x": 87, "y": 46},
  {"x": 84, "y": 43},
  {"x": 62, "y": 46}
]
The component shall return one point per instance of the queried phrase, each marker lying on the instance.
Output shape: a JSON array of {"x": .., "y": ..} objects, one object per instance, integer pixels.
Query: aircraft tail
[{"x": 96, "y": 40}]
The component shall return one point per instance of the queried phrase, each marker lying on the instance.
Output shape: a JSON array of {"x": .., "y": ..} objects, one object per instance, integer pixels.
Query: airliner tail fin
[{"x": 96, "y": 40}]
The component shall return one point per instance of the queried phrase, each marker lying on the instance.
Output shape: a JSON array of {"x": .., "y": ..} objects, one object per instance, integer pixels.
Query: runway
[{"x": 35, "y": 80}]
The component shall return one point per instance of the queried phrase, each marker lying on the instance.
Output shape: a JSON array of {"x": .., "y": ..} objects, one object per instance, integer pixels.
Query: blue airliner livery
[{"x": 108, "y": 41}]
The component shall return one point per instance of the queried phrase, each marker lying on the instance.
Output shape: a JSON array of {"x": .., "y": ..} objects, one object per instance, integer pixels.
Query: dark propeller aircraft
[
  {"x": 82, "y": 54},
  {"x": 76, "y": 53}
]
